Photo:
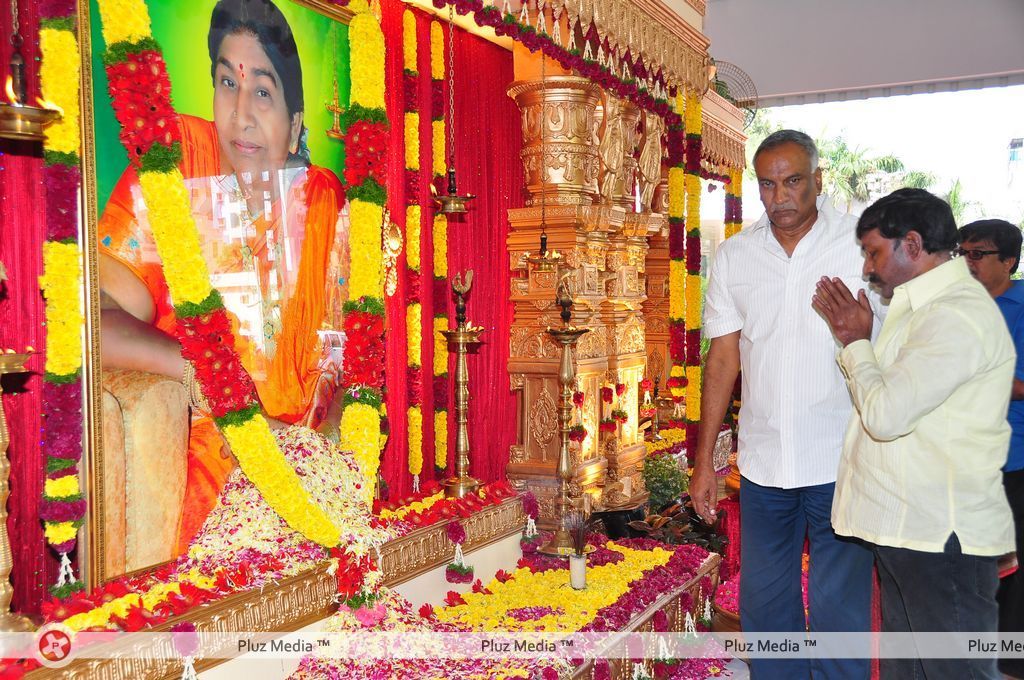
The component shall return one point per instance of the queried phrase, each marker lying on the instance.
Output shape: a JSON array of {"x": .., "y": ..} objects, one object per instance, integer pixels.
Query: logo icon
[{"x": 53, "y": 645}]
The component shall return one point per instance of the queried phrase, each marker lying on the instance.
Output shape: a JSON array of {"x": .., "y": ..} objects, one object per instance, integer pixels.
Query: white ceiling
[{"x": 807, "y": 51}]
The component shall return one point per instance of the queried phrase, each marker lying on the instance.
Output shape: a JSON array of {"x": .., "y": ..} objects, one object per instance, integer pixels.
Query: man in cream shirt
[{"x": 920, "y": 475}]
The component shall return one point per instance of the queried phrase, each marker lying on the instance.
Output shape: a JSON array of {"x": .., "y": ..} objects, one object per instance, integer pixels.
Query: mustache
[{"x": 873, "y": 278}]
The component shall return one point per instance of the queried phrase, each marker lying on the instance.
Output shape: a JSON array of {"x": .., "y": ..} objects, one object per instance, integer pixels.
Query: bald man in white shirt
[{"x": 795, "y": 408}]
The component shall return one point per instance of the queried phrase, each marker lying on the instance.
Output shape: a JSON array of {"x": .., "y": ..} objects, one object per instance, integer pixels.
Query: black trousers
[
  {"x": 937, "y": 592},
  {"x": 1011, "y": 589}
]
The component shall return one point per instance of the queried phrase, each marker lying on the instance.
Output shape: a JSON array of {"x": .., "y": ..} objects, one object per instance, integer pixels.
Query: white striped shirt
[{"x": 795, "y": 402}]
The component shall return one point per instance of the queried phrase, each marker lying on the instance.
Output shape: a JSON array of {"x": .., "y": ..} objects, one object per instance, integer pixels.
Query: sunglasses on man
[{"x": 974, "y": 254}]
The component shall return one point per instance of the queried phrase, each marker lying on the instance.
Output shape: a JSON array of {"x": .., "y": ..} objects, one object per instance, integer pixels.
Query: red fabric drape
[
  {"x": 22, "y": 231},
  {"x": 394, "y": 460},
  {"x": 487, "y": 145}
]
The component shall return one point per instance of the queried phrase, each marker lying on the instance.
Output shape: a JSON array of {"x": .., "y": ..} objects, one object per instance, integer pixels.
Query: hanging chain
[
  {"x": 451, "y": 84},
  {"x": 543, "y": 148},
  {"x": 16, "y": 33}
]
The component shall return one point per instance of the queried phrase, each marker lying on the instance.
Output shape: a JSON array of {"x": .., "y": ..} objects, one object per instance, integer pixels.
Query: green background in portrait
[{"x": 181, "y": 28}]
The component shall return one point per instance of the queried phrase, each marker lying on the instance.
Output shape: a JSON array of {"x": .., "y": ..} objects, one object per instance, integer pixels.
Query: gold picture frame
[{"x": 92, "y": 550}]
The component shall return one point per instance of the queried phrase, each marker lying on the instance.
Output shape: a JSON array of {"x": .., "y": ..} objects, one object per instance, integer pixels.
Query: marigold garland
[
  {"x": 58, "y": 78},
  {"x": 439, "y": 239},
  {"x": 126, "y": 29},
  {"x": 677, "y": 145},
  {"x": 693, "y": 294},
  {"x": 418, "y": 203},
  {"x": 62, "y": 505},
  {"x": 734, "y": 202},
  {"x": 363, "y": 419}
]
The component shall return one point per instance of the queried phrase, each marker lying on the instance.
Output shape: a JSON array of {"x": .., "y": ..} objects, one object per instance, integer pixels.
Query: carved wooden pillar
[{"x": 602, "y": 246}]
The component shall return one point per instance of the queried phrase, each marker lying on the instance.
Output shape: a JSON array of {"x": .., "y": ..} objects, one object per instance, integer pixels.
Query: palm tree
[
  {"x": 957, "y": 203},
  {"x": 917, "y": 179},
  {"x": 850, "y": 173}
]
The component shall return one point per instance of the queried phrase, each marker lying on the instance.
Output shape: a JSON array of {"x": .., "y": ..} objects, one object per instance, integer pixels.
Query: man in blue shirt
[{"x": 992, "y": 250}]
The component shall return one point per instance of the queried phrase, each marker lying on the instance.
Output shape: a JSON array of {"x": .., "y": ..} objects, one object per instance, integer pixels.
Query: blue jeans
[
  {"x": 937, "y": 592},
  {"x": 773, "y": 525}
]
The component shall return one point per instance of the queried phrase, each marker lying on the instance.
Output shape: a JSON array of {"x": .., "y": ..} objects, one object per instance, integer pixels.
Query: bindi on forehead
[{"x": 241, "y": 70}]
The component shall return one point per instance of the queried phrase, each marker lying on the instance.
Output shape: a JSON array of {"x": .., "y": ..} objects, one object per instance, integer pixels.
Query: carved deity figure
[
  {"x": 650, "y": 157},
  {"x": 611, "y": 147}
]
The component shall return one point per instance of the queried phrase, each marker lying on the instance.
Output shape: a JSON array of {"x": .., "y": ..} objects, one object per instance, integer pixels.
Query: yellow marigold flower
[
  {"x": 676, "y": 283},
  {"x": 412, "y": 140},
  {"x": 441, "y": 438},
  {"x": 256, "y": 450},
  {"x": 438, "y": 149},
  {"x": 693, "y": 302},
  {"x": 693, "y": 391},
  {"x": 60, "y": 282},
  {"x": 360, "y": 433},
  {"x": 364, "y": 240},
  {"x": 436, "y": 51},
  {"x": 676, "y": 192},
  {"x": 124, "y": 20},
  {"x": 177, "y": 240},
  {"x": 59, "y": 532},
  {"x": 366, "y": 61},
  {"x": 415, "y": 416},
  {"x": 412, "y": 236},
  {"x": 440, "y": 346},
  {"x": 409, "y": 41},
  {"x": 414, "y": 333},
  {"x": 58, "y": 77},
  {"x": 61, "y": 487},
  {"x": 440, "y": 240}
]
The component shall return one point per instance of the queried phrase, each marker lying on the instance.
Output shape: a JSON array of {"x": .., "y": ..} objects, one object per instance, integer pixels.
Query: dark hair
[
  {"x": 264, "y": 21},
  {"x": 781, "y": 137},
  {"x": 906, "y": 210},
  {"x": 1004, "y": 236}
]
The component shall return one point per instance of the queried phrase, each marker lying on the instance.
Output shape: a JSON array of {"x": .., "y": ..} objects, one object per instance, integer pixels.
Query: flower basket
[{"x": 725, "y": 621}]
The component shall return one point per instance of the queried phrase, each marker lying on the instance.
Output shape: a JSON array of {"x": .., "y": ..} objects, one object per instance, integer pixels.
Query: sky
[{"x": 953, "y": 135}]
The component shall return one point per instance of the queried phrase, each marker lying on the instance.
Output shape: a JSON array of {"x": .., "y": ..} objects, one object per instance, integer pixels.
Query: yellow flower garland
[
  {"x": 409, "y": 41},
  {"x": 418, "y": 506},
  {"x": 61, "y": 283},
  {"x": 440, "y": 166},
  {"x": 440, "y": 245},
  {"x": 360, "y": 433},
  {"x": 176, "y": 236},
  {"x": 124, "y": 21},
  {"x": 412, "y": 140},
  {"x": 669, "y": 438},
  {"x": 60, "y": 532},
  {"x": 101, "y": 615},
  {"x": 364, "y": 236},
  {"x": 605, "y": 585},
  {"x": 436, "y": 51},
  {"x": 693, "y": 297},
  {"x": 413, "y": 322},
  {"x": 412, "y": 236},
  {"x": 415, "y": 420},
  {"x": 676, "y": 191},
  {"x": 676, "y": 282},
  {"x": 440, "y": 248},
  {"x": 367, "y": 61},
  {"x": 62, "y": 486},
  {"x": 58, "y": 77}
]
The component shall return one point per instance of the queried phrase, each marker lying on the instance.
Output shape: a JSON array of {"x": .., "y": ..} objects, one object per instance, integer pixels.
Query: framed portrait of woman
[{"x": 258, "y": 87}]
